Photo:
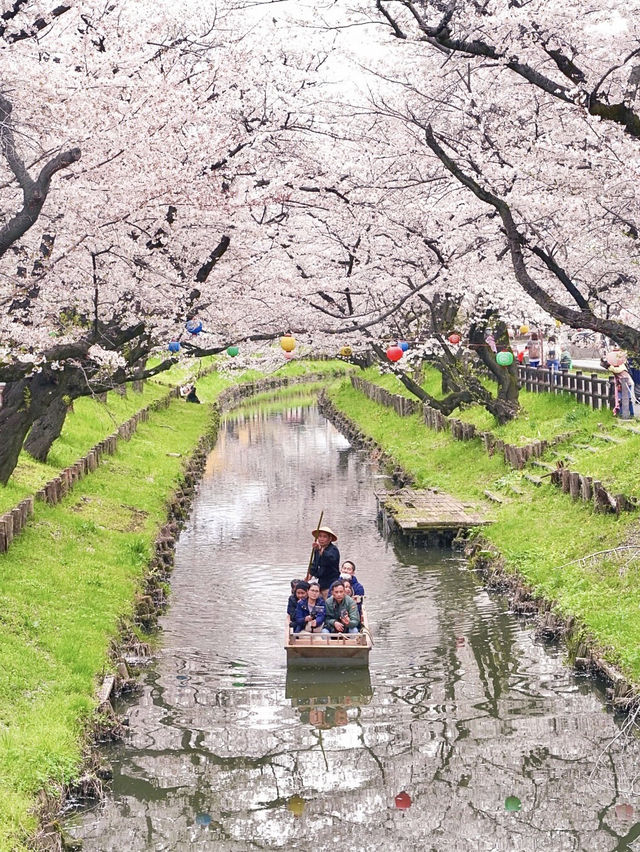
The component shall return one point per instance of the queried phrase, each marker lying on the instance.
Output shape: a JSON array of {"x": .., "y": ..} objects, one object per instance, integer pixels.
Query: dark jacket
[
  {"x": 292, "y": 603},
  {"x": 335, "y": 610},
  {"x": 326, "y": 565},
  {"x": 302, "y": 611}
]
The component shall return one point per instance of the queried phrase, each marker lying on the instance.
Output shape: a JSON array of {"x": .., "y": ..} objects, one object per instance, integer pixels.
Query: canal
[{"x": 464, "y": 734}]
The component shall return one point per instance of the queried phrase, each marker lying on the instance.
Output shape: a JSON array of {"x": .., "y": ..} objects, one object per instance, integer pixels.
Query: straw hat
[{"x": 334, "y": 537}]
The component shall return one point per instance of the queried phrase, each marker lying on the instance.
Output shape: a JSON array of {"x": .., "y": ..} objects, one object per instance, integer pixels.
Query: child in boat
[
  {"x": 294, "y": 597},
  {"x": 310, "y": 611},
  {"x": 347, "y": 572}
]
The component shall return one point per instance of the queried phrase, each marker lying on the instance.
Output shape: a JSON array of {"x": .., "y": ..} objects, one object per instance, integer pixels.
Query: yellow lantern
[
  {"x": 296, "y": 804},
  {"x": 558, "y": 323},
  {"x": 524, "y": 329},
  {"x": 345, "y": 352},
  {"x": 288, "y": 343}
]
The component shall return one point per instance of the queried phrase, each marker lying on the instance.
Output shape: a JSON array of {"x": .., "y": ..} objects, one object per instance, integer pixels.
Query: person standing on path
[{"x": 325, "y": 564}]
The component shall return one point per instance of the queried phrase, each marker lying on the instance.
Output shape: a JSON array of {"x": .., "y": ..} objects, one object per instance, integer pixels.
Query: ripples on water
[{"x": 464, "y": 734}]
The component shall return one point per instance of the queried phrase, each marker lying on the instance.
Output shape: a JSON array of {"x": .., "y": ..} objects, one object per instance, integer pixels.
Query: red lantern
[
  {"x": 394, "y": 353},
  {"x": 403, "y": 801},
  {"x": 454, "y": 338}
]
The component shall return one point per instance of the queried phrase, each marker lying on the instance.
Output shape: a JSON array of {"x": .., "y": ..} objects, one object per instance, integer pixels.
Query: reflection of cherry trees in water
[{"x": 494, "y": 742}]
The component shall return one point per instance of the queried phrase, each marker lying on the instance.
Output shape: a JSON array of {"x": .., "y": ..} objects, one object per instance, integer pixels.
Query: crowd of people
[{"x": 329, "y": 599}]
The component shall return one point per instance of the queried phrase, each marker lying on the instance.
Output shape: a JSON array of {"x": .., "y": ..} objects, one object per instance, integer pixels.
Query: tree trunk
[
  {"x": 46, "y": 429},
  {"x": 16, "y": 418}
]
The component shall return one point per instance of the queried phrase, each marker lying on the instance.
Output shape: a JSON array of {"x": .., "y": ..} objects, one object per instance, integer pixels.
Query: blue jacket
[
  {"x": 326, "y": 565},
  {"x": 302, "y": 611}
]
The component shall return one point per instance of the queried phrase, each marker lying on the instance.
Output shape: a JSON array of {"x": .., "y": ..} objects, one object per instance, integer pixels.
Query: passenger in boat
[
  {"x": 347, "y": 572},
  {"x": 341, "y": 612},
  {"x": 310, "y": 612},
  {"x": 325, "y": 565},
  {"x": 348, "y": 590},
  {"x": 292, "y": 603}
]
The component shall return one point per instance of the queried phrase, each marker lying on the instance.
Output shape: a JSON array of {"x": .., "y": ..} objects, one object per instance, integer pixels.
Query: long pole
[{"x": 315, "y": 538}]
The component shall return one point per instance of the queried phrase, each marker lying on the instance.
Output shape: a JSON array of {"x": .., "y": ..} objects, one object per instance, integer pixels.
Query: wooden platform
[{"x": 427, "y": 511}]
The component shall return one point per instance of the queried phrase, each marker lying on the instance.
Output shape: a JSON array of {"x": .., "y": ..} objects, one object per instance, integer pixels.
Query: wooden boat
[{"x": 328, "y": 649}]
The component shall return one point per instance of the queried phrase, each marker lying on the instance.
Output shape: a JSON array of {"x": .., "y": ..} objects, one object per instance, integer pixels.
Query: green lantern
[
  {"x": 232, "y": 350},
  {"x": 505, "y": 359},
  {"x": 512, "y": 803}
]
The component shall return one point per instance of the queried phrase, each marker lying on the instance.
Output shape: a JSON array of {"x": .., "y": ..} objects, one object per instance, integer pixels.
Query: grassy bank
[
  {"x": 65, "y": 586},
  {"x": 70, "y": 579},
  {"x": 540, "y": 532}
]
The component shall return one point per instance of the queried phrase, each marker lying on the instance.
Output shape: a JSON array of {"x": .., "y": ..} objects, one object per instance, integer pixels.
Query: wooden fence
[
  {"x": 593, "y": 389},
  {"x": 579, "y": 486}
]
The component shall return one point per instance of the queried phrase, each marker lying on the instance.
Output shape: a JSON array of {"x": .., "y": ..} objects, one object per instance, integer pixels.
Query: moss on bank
[{"x": 541, "y": 532}]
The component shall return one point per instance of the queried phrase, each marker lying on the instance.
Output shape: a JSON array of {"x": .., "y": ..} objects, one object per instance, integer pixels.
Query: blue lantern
[
  {"x": 403, "y": 345},
  {"x": 174, "y": 346},
  {"x": 194, "y": 326}
]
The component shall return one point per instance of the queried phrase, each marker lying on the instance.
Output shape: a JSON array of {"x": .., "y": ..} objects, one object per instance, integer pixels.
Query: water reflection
[
  {"x": 464, "y": 735},
  {"x": 328, "y": 698}
]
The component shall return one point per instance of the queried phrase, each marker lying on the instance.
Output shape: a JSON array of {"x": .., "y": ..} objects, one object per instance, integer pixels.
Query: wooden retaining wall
[
  {"x": 579, "y": 486},
  {"x": 13, "y": 521}
]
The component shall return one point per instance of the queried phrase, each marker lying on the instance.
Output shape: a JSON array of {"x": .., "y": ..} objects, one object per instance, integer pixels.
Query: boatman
[{"x": 325, "y": 564}]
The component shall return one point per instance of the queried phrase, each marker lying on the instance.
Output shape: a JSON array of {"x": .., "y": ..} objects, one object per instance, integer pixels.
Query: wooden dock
[{"x": 427, "y": 511}]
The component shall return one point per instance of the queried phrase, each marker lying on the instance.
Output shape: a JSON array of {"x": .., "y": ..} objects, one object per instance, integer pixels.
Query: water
[{"x": 464, "y": 734}]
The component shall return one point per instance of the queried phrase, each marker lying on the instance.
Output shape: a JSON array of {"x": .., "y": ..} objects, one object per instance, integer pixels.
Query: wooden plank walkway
[{"x": 427, "y": 510}]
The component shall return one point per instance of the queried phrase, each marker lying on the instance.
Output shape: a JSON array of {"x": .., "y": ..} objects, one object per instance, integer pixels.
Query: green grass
[
  {"x": 65, "y": 585},
  {"x": 536, "y": 532},
  {"x": 69, "y": 581},
  {"x": 88, "y": 423}
]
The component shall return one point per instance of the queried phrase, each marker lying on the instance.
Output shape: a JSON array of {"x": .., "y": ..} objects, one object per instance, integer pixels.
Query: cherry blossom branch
[
  {"x": 34, "y": 192},
  {"x": 585, "y": 318},
  {"x": 440, "y": 37}
]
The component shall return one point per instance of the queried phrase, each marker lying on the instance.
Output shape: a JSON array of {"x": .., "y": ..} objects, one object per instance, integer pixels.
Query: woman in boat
[
  {"x": 349, "y": 593},
  {"x": 310, "y": 611},
  {"x": 341, "y": 612},
  {"x": 325, "y": 565},
  {"x": 296, "y": 596}
]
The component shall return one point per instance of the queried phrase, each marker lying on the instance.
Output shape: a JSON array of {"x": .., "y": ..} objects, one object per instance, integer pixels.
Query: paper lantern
[
  {"x": 194, "y": 326},
  {"x": 232, "y": 350},
  {"x": 346, "y": 352},
  {"x": 403, "y": 345},
  {"x": 288, "y": 355},
  {"x": 203, "y": 819},
  {"x": 394, "y": 353},
  {"x": 296, "y": 804},
  {"x": 616, "y": 357},
  {"x": 512, "y": 803},
  {"x": 288, "y": 343},
  {"x": 454, "y": 338},
  {"x": 174, "y": 346},
  {"x": 403, "y": 801},
  {"x": 558, "y": 323},
  {"x": 524, "y": 329},
  {"x": 624, "y": 812},
  {"x": 505, "y": 359}
]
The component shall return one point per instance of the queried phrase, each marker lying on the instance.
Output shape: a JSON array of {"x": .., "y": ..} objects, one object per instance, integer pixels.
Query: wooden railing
[{"x": 592, "y": 389}]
